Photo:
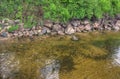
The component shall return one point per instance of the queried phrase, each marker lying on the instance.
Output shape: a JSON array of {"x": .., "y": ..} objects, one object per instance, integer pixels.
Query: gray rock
[
  {"x": 61, "y": 33},
  {"x": 20, "y": 34},
  {"x": 87, "y": 27},
  {"x": 86, "y": 22},
  {"x": 109, "y": 28},
  {"x": 15, "y": 34},
  {"x": 117, "y": 23},
  {"x": 96, "y": 25},
  {"x": 27, "y": 33},
  {"x": 77, "y": 29},
  {"x": 4, "y": 34},
  {"x": 51, "y": 69},
  {"x": 48, "y": 24},
  {"x": 74, "y": 38},
  {"x": 21, "y": 28},
  {"x": 48, "y": 31},
  {"x": 53, "y": 33},
  {"x": 81, "y": 27},
  {"x": 45, "y": 30},
  {"x": 39, "y": 31},
  {"x": 69, "y": 29},
  {"x": 75, "y": 23},
  {"x": 63, "y": 25},
  {"x": 116, "y": 28},
  {"x": 33, "y": 28},
  {"x": 57, "y": 27},
  {"x": 35, "y": 32},
  {"x": 31, "y": 32}
]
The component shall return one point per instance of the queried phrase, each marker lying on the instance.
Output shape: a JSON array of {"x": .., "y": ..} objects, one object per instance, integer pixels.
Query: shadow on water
[
  {"x": 109, "y": 44},
  {"x": 67, "y": 64}
]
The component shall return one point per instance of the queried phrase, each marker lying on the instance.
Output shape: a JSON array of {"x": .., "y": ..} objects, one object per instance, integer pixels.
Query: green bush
[
  {"x": 57, "y": 10},
  {"x": 13, "y": 28},
  {"x": 80, "y": 9}
]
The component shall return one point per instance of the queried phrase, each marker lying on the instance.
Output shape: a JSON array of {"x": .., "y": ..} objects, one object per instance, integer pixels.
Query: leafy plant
[
  {"x": 57, "y": 10},
  {"x": 13, "y": 28}
]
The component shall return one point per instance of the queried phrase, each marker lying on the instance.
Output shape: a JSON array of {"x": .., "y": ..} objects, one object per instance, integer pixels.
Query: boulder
[
  {"x": 61, "y": 33},
  {"x": 57, "y": 27},
  {"x": 15, "y": 34},
  {"x": 75, "y": 23},
  {"x": 69, "y": 29},
  {"x": 39, "y": 31},
  {"x": 96, "y": 25},
  {"x": 77, "y": 29},
  {"x": 33, "y": 28},
  {"x": 4, "y": 34},
  {"x": 116, "y": 28},
  {"x": 48, "y": 24},
  {"x": 81, "y": 27},
  {"x": 86, "y": 22},
  {"x": 87, "y": 27},
  {"x": 35, "y": 32},
  {"x": 45, "y": 30},
  {"x": 117, "y": 23},
  {"x": 54, "y": 33},
  {"x": 20, "y": 34}
]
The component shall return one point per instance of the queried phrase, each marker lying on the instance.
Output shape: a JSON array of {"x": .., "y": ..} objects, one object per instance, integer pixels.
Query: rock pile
[{"x": 54, "y": 28}]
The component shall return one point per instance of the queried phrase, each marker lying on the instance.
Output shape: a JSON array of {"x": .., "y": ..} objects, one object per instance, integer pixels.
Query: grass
[{"x": 83, "y": 59}]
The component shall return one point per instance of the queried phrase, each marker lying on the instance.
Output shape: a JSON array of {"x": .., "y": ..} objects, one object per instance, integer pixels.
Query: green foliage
[
  {"x": 13, "y": 28},
  {"x": 67, "y": 9},
  {"x": 57, "y": 10}
]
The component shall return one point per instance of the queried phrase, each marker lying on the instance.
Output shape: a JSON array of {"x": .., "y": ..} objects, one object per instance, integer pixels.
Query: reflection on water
[{"x": 116, "y": 57}]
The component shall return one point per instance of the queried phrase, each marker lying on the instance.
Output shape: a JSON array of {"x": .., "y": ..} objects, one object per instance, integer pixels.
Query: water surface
[{"x": 93, "y": 56}]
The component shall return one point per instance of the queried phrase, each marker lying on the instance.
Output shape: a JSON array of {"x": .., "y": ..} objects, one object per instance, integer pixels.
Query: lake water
[{"x": 62, "y": 58}]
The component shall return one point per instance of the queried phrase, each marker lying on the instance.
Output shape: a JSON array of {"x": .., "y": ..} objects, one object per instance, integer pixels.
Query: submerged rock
[
  {"x": 9, "y": 66},
  {"x": 74, "y": 38},
  {"x": 50, "y": 70}
]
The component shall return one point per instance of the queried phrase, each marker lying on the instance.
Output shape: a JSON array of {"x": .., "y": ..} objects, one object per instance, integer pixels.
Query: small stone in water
[{"x": 74, "y": 38}]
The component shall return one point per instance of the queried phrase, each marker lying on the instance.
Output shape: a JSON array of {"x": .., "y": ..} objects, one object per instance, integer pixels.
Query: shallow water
[
  {"x": 116, "y": 57},
  {"x": 62, "y": 58}
]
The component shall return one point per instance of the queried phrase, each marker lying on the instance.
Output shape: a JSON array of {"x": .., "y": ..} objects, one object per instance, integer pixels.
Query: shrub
[
  {"x": 13, "y": 28},
  {"x": 80, "y": 9},
  {"x": 57, "y": 10}
]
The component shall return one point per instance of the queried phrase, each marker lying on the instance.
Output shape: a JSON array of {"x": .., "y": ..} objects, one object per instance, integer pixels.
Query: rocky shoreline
[{"x": 55, "y": 28}]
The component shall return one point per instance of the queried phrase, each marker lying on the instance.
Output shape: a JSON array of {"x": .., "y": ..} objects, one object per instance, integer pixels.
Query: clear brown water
[{"x": 94, "y": 56}]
